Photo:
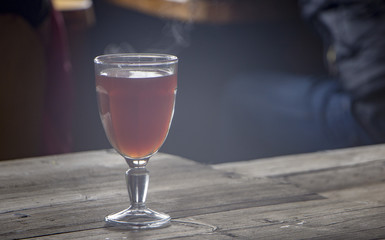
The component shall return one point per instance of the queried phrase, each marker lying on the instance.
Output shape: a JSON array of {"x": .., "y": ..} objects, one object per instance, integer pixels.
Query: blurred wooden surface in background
[{"x": 212, "y": 11}]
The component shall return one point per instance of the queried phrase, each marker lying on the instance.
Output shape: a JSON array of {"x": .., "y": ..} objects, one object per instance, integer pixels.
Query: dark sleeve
[{"x": 355, "y": 30}]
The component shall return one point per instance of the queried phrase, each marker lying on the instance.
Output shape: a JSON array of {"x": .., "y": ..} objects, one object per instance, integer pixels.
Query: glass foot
[{"x": 138, "y": 219}]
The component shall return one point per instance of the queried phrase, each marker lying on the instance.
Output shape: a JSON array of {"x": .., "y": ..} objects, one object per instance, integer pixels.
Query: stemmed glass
[{"x": 136, "y": 97}]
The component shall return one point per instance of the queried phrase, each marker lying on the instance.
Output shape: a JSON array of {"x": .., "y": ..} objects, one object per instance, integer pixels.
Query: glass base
[{"x": 138, "y": 219}]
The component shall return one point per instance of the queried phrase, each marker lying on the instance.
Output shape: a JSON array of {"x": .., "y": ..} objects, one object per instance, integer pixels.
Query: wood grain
[
  {"x": 329, "y": 195},
  {"x": 351, "y": 180},
  {"x": 71, "y": 194}
]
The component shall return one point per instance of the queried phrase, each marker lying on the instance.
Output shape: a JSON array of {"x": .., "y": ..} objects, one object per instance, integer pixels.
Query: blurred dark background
[
  {"x": 210, "y": 54},
  {"x": 266, "y": 36}
]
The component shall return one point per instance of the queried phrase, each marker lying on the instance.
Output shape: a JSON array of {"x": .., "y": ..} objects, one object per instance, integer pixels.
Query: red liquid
[{"x": 136, "y": 109}]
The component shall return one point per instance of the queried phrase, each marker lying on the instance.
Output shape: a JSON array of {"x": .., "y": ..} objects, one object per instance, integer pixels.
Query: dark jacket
[{"x": 354, "y": 34}]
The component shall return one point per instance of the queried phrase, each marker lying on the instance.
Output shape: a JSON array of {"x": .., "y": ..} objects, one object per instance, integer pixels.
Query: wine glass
[{"x": 136, "y": 97}]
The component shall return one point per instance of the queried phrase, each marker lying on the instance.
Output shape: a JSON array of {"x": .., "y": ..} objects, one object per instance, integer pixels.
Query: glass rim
[{"x": 136, "y": 59}]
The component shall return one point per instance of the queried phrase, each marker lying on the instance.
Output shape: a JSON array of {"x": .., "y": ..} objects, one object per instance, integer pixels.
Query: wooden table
[
  {"x": 214, "y": 11},
  {"x": 326, "y": 195}
]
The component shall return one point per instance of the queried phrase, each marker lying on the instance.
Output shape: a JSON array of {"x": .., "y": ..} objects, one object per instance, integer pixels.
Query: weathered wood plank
[
  {"x": 178, "y": 229},
  {"x": 88, "y": 215},
  {"x": 357, "y": 213},
  {"x": 368, "y": 224},
  {"x": 324, "y": 218},
  {"x": 362, "y": 174},
  {"x": 319, "y": 172},
  {"x": 306, "y": 163},
  {"x": 66, "y": 179},
  {"x": 67, "y": 196},
  {"x": 60, "y": 195}
]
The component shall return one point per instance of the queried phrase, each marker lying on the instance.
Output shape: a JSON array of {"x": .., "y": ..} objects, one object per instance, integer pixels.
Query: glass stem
[{"x": 137, "y": 180}]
